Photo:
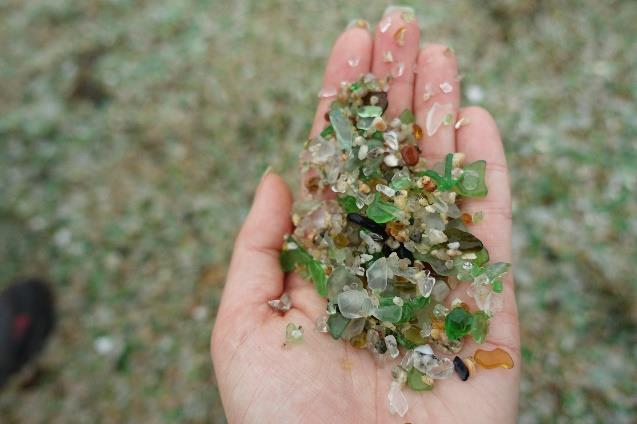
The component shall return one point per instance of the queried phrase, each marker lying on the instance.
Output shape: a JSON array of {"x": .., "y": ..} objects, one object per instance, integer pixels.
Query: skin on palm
[{"x": 322, "y": 380}]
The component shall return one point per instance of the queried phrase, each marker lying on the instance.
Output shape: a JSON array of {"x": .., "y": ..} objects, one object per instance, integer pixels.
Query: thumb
[{"x": 255, "y": 274}]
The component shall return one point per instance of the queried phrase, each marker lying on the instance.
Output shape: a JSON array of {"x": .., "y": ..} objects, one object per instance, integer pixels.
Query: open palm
[{"x": 323, "y": 380}]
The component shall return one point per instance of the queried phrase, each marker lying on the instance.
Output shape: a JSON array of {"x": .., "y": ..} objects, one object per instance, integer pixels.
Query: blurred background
[{"x": 133, "y": 133}]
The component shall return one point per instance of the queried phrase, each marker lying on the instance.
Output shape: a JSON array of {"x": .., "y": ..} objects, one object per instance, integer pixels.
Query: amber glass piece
[
  {"x": 341, "y": 240},
  {"x": 394, "y": 228},
  {"x": 359, "y": 341},
  {"x": 496, "y": 358},
  {"x": 429, "y": 185},
  {"x": 417, "y": 132},
  {"x": 312, "y": 184},
  {"x": 413, "y": 335},
  {"x": 438, "y": 324},
  {"x": 466, "y": 218},
  {"x": 373, "y": 182},
  {"x": 399, "y": 36}
]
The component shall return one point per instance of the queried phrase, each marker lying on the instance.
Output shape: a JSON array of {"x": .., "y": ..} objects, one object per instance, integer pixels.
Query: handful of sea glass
[{"x": 382, "y": 237}]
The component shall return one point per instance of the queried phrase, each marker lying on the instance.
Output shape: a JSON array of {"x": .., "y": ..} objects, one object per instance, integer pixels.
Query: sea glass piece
[
  {"x": 424, "y": 350},
  {"x": 399, "y": 36},
  {"x": 370, "y": 111},
  {"x": 438, "y": 114},
  {"x": 405, "y": 362},
  {"x": 398, "y": 69},
  {"x": 336, "y": 324},
  {"x": 281, "y": 305},
  {"x": 458, "y": 323},
  {"x": 391, "y": 139},
  {"x": 391, "y": 160},
  {"x": 354, "y": 328},
  {"x": 321, "y": 323},
  {"x": 327, "y": 92},
  {"x": 416, "y": 381},
  {"x": 440, "y": 369},
  {"x": 410, "y": 154},
  {"x": 451, "y": 346},
  {"x": 413, "y": 334},
  {"x": 398, "y": 374},
  {"x": 481, "y": 293},
  {"x": 497, "y": 270},
  {"x": 440, "y": 291},
  {"x": 397, "y": 400},
  {"x": 385, "y": 24},
  {"x": 446, "y": 88},
  {"x": 473, "y": 183},
  {"x": 480, "y": 326},
  {"x": 340, "y": 278},
  {"x": 389, "y": 313},
  {"x": 386, "y": 190},
  {"x": 407, "y": 117},
  {"x": 497, "y": 358},
  {"x": 354, "y": 304},
  {"x": 439, "y": 312},
  {"x": 343, "y": 128},
  {"x": 417, "y": 132},
  {"x": 426, "y": 285},
  {"x": 382, "y": 212},
  {"x": 293, "y": 333},
  {"x": 378, "y": 273},
  {"x": 353, "y": 61},
  {"x": 392, "y": 346},
  {"x": 359, "y": 341},
  {"x": 425, "y": 328},
  {"x": 423, "y": 361}
]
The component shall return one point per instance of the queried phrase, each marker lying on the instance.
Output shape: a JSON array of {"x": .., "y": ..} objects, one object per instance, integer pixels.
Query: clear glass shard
[
  {"x": 378, "y": 273},
  {"x": 397, "y": 400},
  {"x": 438, "y": 114},
  {"x": 354, "y": 304}
]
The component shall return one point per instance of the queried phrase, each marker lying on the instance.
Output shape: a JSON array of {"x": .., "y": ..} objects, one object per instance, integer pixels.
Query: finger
[
  {"x": 480, "y": 140},
  {"x": 350, "y": 58},
  {"x": 436, "y": 95},
  {"x": 255, "y": 274},
  {"x": 395, "y": 49}
]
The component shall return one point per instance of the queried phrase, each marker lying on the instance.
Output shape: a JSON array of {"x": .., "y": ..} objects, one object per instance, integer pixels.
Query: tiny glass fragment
[
  {"x": 281, "y": 305},
  {"x": 399, "y": 36},
  {"x": 385, "y": 24},
  {"x": 293, "y": 333},
  {"x": 446, "y": 88}
]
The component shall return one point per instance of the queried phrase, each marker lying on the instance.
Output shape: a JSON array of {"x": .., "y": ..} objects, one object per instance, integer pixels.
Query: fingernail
[
  {"x": 405, "y": 11},
  {"x": 358, "y": 23}
]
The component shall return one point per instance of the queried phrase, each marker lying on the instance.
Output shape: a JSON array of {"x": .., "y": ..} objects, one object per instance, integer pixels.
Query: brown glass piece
[
  {"x": 410, "y": 154},
  {"x": 496, "y": 358}
]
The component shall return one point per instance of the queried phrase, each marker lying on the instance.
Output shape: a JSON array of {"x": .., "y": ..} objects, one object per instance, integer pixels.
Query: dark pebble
[
  {"x": 380, "y": 346},
  {"x": 367, "y": 223},
  {"x": 417, "y": 237},
  {"x": 460, "y": 368},
  {"x": 403, "y": 253}
]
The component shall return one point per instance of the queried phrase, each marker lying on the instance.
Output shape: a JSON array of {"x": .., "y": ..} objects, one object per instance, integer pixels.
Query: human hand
[{"x": 323, "y": 380}]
